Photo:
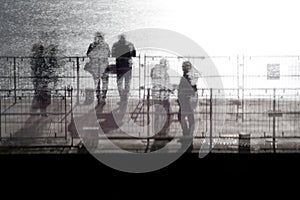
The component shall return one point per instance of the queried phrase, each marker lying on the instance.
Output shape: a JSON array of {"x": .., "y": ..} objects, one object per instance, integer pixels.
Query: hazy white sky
[{"x": 230, "y": 27}]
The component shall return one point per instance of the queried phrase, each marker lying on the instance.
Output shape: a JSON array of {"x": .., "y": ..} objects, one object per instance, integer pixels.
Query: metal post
[
  {"x": 238, "y": 76},
  {"x": 148, "y": 117},
  {"x": 206, "y": 111},
  {"x": 15, "y": 79},
  {"x": 139, "y": 76},
  {"x": 78, "y": 79},
  {"x": 66, "y": 124},
  {"x": 210, "y": 119},
  {"x": 0, "y": 118},
  {"x": 274, "y": 122},
  {"x": 71, "y": 91},
  {"x": 145, "y": 61},
  {"x": 238, "y": 87},
  {"x": 243, "y": 105},
  {"x": 148, "y": 106},
  {"x": 243, "y": 89}
]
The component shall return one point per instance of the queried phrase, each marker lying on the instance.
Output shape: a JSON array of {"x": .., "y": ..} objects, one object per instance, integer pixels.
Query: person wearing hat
[
  {"x": 98, "y": 53},
  {"x": 123, "y": 51}
]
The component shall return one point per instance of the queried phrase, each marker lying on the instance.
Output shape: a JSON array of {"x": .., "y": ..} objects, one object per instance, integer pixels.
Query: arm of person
[
  {"x": 91, "y": 47},
  {"x": 113, "y": 51},
  {"x": 152, "y": 73},
  {"x": 108, "y": 51},
  {"x": 132, "y": 50}
]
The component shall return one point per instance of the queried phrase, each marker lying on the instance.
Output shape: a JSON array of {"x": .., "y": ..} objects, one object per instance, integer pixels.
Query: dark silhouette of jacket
[{"x": 123, "y": 51}]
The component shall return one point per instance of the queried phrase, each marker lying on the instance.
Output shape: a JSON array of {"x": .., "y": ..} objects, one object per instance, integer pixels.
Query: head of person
[
  {"x": 99, "y": 36},
  {"x": 186, "y": 66},
  {"x": 122, "y": 38},
  {"x": 38, "y": 48},
  {"x": 53, "y": 49},
  {"x": 164, "y": 62}
]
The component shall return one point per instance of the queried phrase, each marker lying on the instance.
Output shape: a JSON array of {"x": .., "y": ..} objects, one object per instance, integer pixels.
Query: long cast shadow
[{"x": 35, "y": 128}]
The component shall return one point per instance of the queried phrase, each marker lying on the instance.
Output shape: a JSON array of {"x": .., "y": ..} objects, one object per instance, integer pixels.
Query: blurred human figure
[
  {"x": 40, "y": 79},
  {"x": 44, "y": 70},
  {"x": 98, "y": 53},
  {"x": 187, "y": 99},
  {"x": 51, "y": 58},
  {"x": 160, "y": 95},
  {"x": 123, "y": 51}
]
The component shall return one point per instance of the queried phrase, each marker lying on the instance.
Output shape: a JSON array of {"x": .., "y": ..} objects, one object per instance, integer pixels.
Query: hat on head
[
  {"x": 122, "y": 36},
  {"x": 99, "y": 34},
  {"x": 163, "y": 62},
  {"x": 185, "y": 63}
]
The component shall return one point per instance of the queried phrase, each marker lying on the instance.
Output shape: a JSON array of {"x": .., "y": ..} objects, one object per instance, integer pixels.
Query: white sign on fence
[{"x": 273, "y": 71}]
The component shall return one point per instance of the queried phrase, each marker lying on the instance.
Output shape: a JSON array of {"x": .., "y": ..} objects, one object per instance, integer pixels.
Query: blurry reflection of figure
[
  {"x": 52, "y": 63},
  {"x": 123, "y": 51},
  {"x": 187, "y": 98},
  {"x": 160, "y": 96},
  {"x": 98, "y": 53},
  {"x": 40, "y": 79}
]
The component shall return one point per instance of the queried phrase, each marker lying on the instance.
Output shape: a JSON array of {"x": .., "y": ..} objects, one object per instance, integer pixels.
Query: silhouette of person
[
  {"x": 98, "y": 53},
  {"x": 187, "y": 98},
  {"x": 41, "y": 79},
  {"x": 160, "y": 95},
  {"x": 123, "y": 51},
  {"x": 50, "y": 55}
]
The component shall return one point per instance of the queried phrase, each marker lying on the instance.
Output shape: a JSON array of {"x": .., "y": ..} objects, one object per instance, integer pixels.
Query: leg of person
[
  {"x": 90, "y": 92},
  {"x": 43, "y": 110},
  {"x": 191, "y": 120},
  {"x": 98, "y": 86},
  {"x": 183, "y": 115},
  {"x": 128, "y": 77},
  {"x": 42, "y": 104},
  {"x": 183, "y": 122},
  {"x": 159, "y": 141},
  {"x": 120, "y": 79},
  {"x": 166, "y": 126},
  {"x": 157, "y": 124},
  {"x": 105, "y": 80},
  {"x": 97, "y": 77},
  {"x": 35, "y": 103},
  {"x": 191, "y": 127}
]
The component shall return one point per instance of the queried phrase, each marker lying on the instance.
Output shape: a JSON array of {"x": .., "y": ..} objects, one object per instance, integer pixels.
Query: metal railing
[
  {"x": 23, "y": 124},
  {"x": 268, "y": 114},
  {"x": 237, "y": 72}
]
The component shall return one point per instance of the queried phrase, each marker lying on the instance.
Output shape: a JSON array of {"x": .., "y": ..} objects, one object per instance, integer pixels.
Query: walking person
[
  {"x": 187, "y": 99},
  {"x": 123, "y": 51},
  {"x": 98, "y": 53}
]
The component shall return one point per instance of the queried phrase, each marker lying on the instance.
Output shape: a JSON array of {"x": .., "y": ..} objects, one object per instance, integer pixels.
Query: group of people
[
  {"x": 123, "y": 50},
  {"x": 98, "y": 53},
  {"x": 44, "y": 63}
]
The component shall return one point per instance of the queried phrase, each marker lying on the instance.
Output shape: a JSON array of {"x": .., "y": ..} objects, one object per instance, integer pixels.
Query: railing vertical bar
[
  {"x": 210, "y": 119},
  {"x": 78, "y": 79},
  {"x": 15, "y": 78},
  {"x": 0, "y": 117},
  {"x": 66, "y": 124},
  {"x": 274, "y": 121}
]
